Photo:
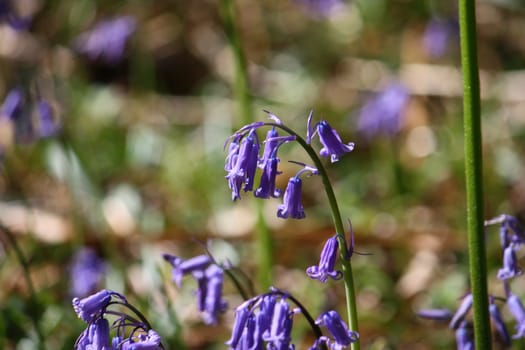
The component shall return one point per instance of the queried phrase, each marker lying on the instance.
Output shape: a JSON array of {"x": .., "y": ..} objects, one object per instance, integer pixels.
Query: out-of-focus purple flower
[
  {"x": 87, "y": 270},
  {"x": 326, "y": 267},
  {"x": 209, "y": 279},
  {"x": 510, "y": 267},
  {"x": 321, "y": 8},
  {"x": 242, "y": 164},
  {"x": 333, "y": 147},
  {"x": 13, "y": 104},
  {"x": 183, "y": 267},
  {"x": 292, "y": 201},
  {"x": 461, "y": 312},
  {"x": 8, "y": 15},
  {"x": 437, "y": 36},
  {"x": 498, "y": 322},
  {"x": 213, "y": 302},
  {"x": 342, "y": 336},
  {"x": 516, "y": 309},
  {"x": 382, "y": 114},
  {"x": 464, "y": 339},
  {"x": 47, "y": 124},
  {"x": 91, "y": 307},
  {"x": 106, "y": 41}
]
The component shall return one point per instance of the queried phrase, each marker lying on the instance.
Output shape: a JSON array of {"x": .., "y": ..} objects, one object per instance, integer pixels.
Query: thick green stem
[
  {"x": 348, "y": 279},
  {"x": 473, "y": 173},
  {"x": 244, "y": 111}
]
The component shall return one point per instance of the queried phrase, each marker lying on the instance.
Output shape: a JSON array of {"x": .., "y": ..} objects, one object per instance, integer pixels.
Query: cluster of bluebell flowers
[
  {"x": 267, "y": 319},
  {"x": 512, "y": 236},
  {"x": 243, "y": 159},
  {"x": 209, "y": 277},
  {"x": 131, "y": 330}
]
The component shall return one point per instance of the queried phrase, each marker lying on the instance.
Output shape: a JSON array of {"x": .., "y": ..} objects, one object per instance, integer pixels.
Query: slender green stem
[
  {"x": 473, "y": 173},
  {"x": 27, "y": 276},
  {"x": 244, "y": 111},
  {"x": 348, "y": 279}
]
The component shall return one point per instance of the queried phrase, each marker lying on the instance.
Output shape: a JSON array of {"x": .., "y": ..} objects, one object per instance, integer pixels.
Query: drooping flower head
[
  {"x": 341, "y": 335},
  {"x": 518, "y": 312},
  {"x": 499, "y": 324},
  {"x": 292, "y": 200},
  {"x": 461, "y": 312},
  {"x": 209, "y": 279},
  {"x": 464, "y": 336},
  {"x": 242, "y": 163},
  {"x": 106, "y": 41},
  {"x": 333, "y": 147},
  {"x": 93, "y": 306},
  {"x": 383, "y": 112},
  {"x": 510, "y": 267},
  {"x": 326, "y": 267},
  {"x": 86, "y": 272}
]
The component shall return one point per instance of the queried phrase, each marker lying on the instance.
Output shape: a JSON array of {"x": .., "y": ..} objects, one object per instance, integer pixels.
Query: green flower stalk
[{"x": 473, "y": 173}]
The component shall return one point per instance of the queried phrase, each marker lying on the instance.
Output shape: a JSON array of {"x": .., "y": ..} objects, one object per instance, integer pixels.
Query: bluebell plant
[
  {"x": 129, "y": 329},
  {"x": 511, "y": 237}
]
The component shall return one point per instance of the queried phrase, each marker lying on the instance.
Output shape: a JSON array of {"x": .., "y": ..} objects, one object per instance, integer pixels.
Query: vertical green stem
[
  {"x": 473, "y": 173},
  {"x": 244, "y": 111}
]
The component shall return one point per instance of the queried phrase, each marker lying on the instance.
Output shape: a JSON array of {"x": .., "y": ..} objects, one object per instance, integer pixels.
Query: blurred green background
[{"x": 137, "y": 168}]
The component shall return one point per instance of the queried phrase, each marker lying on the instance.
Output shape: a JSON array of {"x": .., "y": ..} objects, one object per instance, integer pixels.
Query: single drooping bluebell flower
[
  {"x": 382, "y": 114},
  {"x": 333, "y": 147},
  {"x": 292, "y": 201},
  {"x": 437, "y": 36},
  {"x": 464, "y": 337},
  {"x": 516, "y": 309},
  {"x": 461, "y": 312},
  {"x": 242, "y": 313},
  {"x": 498, "y": 322},
  {"x": 209, "y": 294},
  {"x": 266, "y": 187},
  {"x": 271, "y": 144},
  {"x": 86, "y": 272},
  {"x": 107, "y": 40},
  {"x": 510, "y": 267},
  {"x": 278, "y": 335},
  {"x": 326, "y": 267},
  {"x": 93, "y": 306},
  {"x": 341, "y": 335},
  {"x": 242, "y": 163},
  {"x": 183, "y": 267},
  {"x": 132, "y": 330}
]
